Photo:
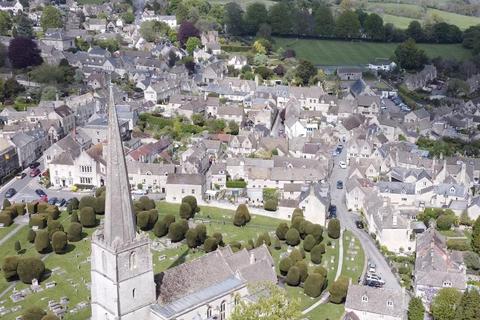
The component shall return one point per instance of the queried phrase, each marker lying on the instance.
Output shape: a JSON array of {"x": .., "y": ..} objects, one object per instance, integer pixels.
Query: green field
[
  {"x": 244, "y": 3},
  {"x": 401, "y": 14},
  {"x": 333, "y": 52}
]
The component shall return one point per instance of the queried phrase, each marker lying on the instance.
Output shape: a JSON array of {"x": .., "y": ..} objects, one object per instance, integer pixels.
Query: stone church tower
[{"x": 123, "y": 286}]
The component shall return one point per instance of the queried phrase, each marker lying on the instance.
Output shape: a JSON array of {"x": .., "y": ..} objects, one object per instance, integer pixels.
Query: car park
[
  {"x": 10, "y": 193},
  {"x": 339, "y": 184}
]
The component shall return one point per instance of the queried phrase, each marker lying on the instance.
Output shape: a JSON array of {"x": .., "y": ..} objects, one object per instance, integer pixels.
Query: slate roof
[
  {"x": 381, "y": 301},
  {"x": 185, "y": 178}
]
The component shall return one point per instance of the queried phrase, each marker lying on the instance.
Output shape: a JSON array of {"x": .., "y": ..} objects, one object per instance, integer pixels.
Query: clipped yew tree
[
  {"x": 87, "y": 217},
  {"x": 192, "y": 238},
  {"x": 30, "y": 268},
  {"x": 74, "y": 232},
  {"x": 316, "y": 254},
  {"x": 313, "y": 285},
  {"x": 192, "y": 202},
  {"x": 303, "y": 269},
  {"x": 59, "y": 241},
  {"x": 338, "y": 290},
  {"x": 242, "y": 215},
  {"x": 34, "y": 313},
  {"x": 177, "y": 230},
  {"x": 292, "y": 237},
  {"x": 308, "y": 243},
  {"x": 334, "y": 228},
  {"x": 282, "y": 230},
  {"x": 210, "y": 244},
  {"x": 285, "y": 265},
  {"x": 42, "y": 241},
  {"x": 185, "y": 211},
  {"x": 9, "y": 267},
  {"x": 293, "y": 276}
]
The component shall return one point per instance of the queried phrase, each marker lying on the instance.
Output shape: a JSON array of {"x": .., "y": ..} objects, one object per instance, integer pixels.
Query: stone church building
[{"x": 123, "y": 283}]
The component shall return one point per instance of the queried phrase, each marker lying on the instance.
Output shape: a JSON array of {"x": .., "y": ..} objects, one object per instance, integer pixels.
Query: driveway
[{"x": 347, "y": 220}]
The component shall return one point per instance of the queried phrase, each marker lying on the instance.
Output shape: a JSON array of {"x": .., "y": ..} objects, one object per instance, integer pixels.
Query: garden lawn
[
  {"x": 6, "y": 230},
  {"x": 353, "y": 257},
  {"x": 328, "y": 311},
  {"x": 334, "y": 52}
]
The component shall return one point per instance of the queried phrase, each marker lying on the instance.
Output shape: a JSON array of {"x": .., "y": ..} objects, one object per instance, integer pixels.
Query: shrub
[
  {"x": 6, "y": 204},
  {"x": 201, "y": 233},
  {"x": 303, "y": 227},
  {"x": 303, "y": 269},
  {"x": 53, "y": 212},
  {"x": 282, "y": 230},
  {"x": 10, "y": 211},
  {"x": 264, "y": 238},
  {"x": 87, "y": 201},
  {"x": 20, "y": 209},
  {"x": 445, "y": 221},
  {"x": 219, "y": 237},
  {"x": 333, "y": 228},
  {"x": 153, "y": 217},
  {"x": 270, "y": 205},
  {"x": 458, "y": 244},
  {"x": 322, "y": 248},
  {"x": 321, "y": 270},
  {"x": 177, "y": 230},
  {"x": 316, "y": 231},
  {"x": 242, "y": 215},
  {"x": 32, "y": 207},
  {"x": 38, "y": 220},
  {"x": 185, "y": 211},
  {"x": 316, "y": 254},
  {"x": 295, "y": 255},
  {"x": 99, "y": 205},
  {"x": 5, "y": 219},
  {"x": 169, "y": 219},
  {"x": 472, "y": 260},
  {"x": 100, "y": 191},
  {"x": 192, "y": 201},
  {"x": 143, "y": 219},
  {"x": 59, "y": 241},
  {"x": 33, "y": 313},
  {"x": 146, "y": 203},
  {"x": 74, "y": 217},
  {"x": 293, "y": 276},
  {"x": 87, "y": 217},
  {"x": 296, "y": 213},
  {"x": 30, "y": 268},
  {"x": 42, "y": 207},
  {"x": 210, "y": 244},
  {"x": 292, "y": 237},
  {"x": 192, "y": 238},
  {"x": 296, "y": 222},
  {"x": 9, "y": 267},
  {"x": 338, "y": 290},
  {"x": 75, "y": 203},
  {"x": 313, "y": 285},
  {"x": 309, "y": 242},
  {"x": 285, "y": 265},
  {"x": 236, "y": 184},
  {"x": 276, "y": 244},
  {"x": 31, "y": 236},
  {"x": 74, "y": 232},
  {"x": 42, "y": 241},
  {"x": 53, "y": 226},
  {"x": 160, "y": 228},
  {"x": 50, "y": 317}
]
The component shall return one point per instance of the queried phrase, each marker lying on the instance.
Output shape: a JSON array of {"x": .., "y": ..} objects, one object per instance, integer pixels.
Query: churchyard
[{"x": 67, "y": 280}]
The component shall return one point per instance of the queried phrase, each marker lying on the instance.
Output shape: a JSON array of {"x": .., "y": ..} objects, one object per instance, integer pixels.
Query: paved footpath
[{"x": 325, "y": 295}]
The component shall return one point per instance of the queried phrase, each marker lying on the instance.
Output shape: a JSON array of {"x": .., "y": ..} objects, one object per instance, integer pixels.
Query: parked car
[
  {"x": 34, "y": 165},
  {"x": 359, "y": 224},
  {"x": 62, "y": 202},
  {"x": 372, "y": 268},
  {"x": 342, "y": 165},
  {"x": 53, "y": 200},
  {"x": 333, "y": 212},
  {"x": 21, "y": 175},
  {"x": 10, "y": 193},
  {"x": 34, "y": 172},
  {"x": 339, "y": 184},
  {"x": 40, "y": 192}
]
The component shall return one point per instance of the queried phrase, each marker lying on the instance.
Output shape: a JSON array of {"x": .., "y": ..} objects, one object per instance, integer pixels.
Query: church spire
[{"x": 119, "y": 220}]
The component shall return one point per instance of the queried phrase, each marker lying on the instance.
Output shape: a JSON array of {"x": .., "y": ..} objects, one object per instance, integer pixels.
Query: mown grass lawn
[
  {"x": 328, "y": 311},
  {"x": 353, "y": 257},
  {"x": 6, "y": 230},
  {"x": 333, "y": 52}
]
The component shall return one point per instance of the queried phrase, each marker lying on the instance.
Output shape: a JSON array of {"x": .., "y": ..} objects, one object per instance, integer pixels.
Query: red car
[{"x": 34, "y": 172}]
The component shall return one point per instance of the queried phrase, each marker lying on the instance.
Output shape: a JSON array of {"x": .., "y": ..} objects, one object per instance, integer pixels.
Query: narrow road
[{"x": 347, "y": 220}]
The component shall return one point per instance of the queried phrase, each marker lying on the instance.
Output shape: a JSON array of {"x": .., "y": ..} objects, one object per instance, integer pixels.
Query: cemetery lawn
[
  {"x": 6, "y": 230},
  {"x": 327, "y": 311},
  {"x": 70, "y": 271},
  {"x": 353, "y": 257}
]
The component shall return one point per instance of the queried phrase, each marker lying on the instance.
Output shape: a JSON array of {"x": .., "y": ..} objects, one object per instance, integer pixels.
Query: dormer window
[
  {"x": 452, "y": 190},
  {"x": 389, "y": 303},
  {"x": 447, "y": 284},
  {"x": 364, "y": 298}
]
